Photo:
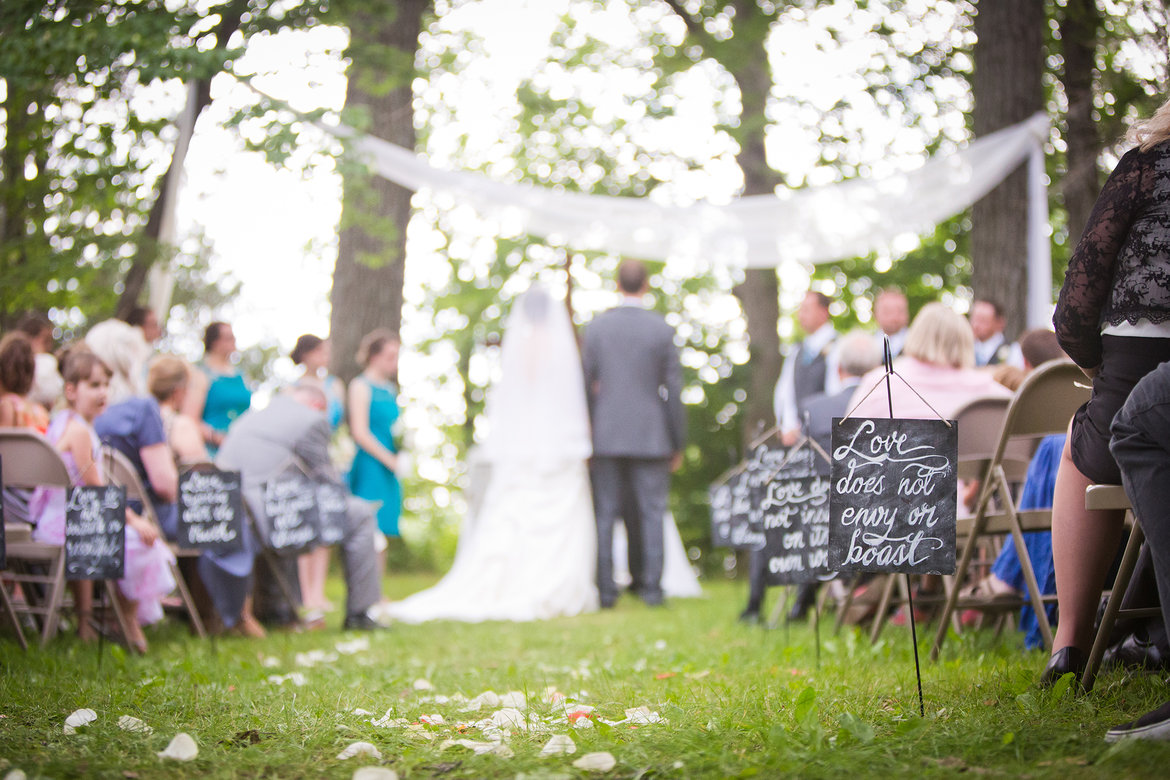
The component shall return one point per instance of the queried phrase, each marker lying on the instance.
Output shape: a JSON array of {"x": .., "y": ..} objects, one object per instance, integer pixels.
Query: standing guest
[
  {"x": 809, "y": 368},
  {"x": 1113, "y": 320},
  {"x": 373, "y": 412},
  {"x": 47, "y": 385},
  {"x": 633, "y": 379},
  {"x": 147, "y": 574},
  {"x": 987, "y": 323},
  {"x": 891, "y": 310},
  {"x": 146, "y": 321},
  {"x": 313, "y": 353},
  {"x": 17, "y": 371},
  {"x": 218, "y": 393}
]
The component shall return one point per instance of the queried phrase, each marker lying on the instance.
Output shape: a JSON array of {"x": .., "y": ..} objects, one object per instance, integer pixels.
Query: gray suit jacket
[
  {"x": 633, "y": 379},
  {"x": 263, "y": 442}
]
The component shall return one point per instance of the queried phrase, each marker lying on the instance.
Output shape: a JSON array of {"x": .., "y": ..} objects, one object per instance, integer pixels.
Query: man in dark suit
[
  {"x": 263, "y": 443},
  {"x": 633, "y": 380}
]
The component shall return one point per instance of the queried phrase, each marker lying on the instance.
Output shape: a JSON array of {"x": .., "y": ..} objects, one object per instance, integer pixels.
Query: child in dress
[{"x": 147, "y": 574}]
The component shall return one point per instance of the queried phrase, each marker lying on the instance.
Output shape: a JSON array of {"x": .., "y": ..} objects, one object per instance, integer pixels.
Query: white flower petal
[
  {"x": 388, "y": 721},
  {"x": 479, "y": 748},
  {"x": 271, "y": 662},
  {"x": 16, "y": 774},
  {"x": 643, "y": 716},
  {"x": 582, "y": 723},
  {"x": 375, "y": 773},
  {"x": 514, "y": 699},
  {"x": 434, "y": 719},
  {"x": 660, "y": 644},
  {"x": 182, "y": 748},
  {"x": 359, "y": 749},
  {"x": 508, "y": 718},
  {"x": 596, "y": 762},
  {"x": 130, "y": 723},
  {"x": 79, "y": 718},
  {"x": 361, "y": 712},
  {"x": 423, "y": 685},
  {"x": 352, "y": 647},
  {"x": 558, "y": 745},
  {"x": 485, "y": 699}
]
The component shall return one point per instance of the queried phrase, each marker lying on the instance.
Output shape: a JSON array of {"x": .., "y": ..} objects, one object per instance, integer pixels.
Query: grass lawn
[{"x": 733, "y": 701}]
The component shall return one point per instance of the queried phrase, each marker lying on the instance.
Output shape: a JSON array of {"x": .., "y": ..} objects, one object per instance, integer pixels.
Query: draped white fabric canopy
[{"x": 811, "y": 225}]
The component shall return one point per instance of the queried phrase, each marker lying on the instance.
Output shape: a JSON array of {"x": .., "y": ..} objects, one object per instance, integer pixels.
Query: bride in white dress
[{"x": 529, "y": 552}]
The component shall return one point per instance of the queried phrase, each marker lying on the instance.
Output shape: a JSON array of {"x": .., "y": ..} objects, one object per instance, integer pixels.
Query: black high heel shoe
[{"x": 1065, "y": 660}]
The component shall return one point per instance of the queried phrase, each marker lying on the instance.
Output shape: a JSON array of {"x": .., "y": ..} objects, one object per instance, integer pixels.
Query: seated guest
[
  {"x": 167, "y": 380},
  {"x": 47, "y": 385},
  {"x": 263, "y": 442},
  {"x": 17, "y": 372},
  {"x": 125, "y": 353},
  {"x": 938, "y": 363},
  {"x": 147, "y": 574},
  {"x": 1141, "y": 433}
]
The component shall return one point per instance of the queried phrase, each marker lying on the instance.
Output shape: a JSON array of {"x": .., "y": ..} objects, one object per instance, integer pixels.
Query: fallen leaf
[
  {"x": 596, "y": 762},
  {"x": 130, "y": 723},
  {"x": 79, "y": 718},
  {"x": 360, "y": 749},
  {"x": 375, "y": 773},
  {"x": 182, "y": 748},
  {"x": 558, "y": 745}
]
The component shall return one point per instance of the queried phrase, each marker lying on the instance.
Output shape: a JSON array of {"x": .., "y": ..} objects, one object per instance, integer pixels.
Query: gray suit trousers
[{"x": 620, "y": 486}]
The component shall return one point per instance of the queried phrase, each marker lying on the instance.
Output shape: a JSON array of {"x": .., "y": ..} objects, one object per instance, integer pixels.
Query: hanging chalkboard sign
[
  {"x": 290, "y": 511},
  {"x": 211, "y": 510},
  {"x": 332, "y": 512},
  {"x": 720, "y": 499},
  {"x": 95, "y": 533},
  {"x": 894, "y": 496},
  {"x": 742, "y": 533},
  {"x": 796, "y": 529}
]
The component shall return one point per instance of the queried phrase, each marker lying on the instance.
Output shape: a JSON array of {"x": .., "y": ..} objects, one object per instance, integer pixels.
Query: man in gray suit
[
  {"x": 632, "y": 380},
  {"x": 263, "y": 443}
]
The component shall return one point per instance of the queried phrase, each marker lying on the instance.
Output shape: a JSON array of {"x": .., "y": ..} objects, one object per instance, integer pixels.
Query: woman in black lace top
[{"x": 1113, "y": 320}]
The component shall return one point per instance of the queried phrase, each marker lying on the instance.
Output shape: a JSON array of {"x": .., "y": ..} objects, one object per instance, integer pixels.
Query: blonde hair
[
  {"x": 166, "y": 375},
  {"x": 1153, "y": 131},
  {"x": 941, "y": 337},
  {"x": 123, "y": 350}
]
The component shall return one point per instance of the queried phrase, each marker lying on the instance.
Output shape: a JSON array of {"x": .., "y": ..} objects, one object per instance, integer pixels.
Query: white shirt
[
  {"x": 985, "y": 350},
  {"x": 784, "y": 397}
]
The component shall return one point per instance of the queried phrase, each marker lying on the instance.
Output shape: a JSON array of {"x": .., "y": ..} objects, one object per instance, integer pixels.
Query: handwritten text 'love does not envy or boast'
[{"x": 889, "y": 533}]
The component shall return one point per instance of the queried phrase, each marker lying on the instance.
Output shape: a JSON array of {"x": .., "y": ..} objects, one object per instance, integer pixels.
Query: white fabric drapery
[{"x": 812, "y": 225}]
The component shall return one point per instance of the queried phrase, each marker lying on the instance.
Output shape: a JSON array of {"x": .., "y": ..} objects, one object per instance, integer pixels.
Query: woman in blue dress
[
  {"x": 373, "y": 410},
  {"x": 218, "y": 393},
  {"x": 313, "y": 354}
]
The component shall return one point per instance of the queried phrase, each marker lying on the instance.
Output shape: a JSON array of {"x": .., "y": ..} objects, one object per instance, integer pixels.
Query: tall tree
[
  {"x": 1007, "y": 85},
  {"x": 371, "y": 254},
  {"x": 1079, "y": 26}
]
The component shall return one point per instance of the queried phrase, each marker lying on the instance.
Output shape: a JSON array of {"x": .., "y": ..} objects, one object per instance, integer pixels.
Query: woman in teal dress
[
  {"x": 373, "y": 410},
  {"x": 218, "y": 394}
]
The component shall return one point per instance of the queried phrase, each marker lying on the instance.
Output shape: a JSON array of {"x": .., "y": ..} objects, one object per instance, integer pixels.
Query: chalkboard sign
[
  {"x": 796, "y": 529},
  {"x": 894, "y": 496},
  {"x": 290, "y": 511},
  {"x": 95, "y": 533},
  {"x": 720, "y": 499},
  {"x": 332, "y": 512},
  {"x": 211, "y": 510},
  {"x": 743, "y": 533}
]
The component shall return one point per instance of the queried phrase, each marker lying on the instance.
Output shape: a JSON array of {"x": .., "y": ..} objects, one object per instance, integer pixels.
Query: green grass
[{"x": 738, "y": 701}]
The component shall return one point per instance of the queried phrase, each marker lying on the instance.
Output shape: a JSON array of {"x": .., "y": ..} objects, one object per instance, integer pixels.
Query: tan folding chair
[
  {"x": 1042, "y": 406},
  {"x": 120, "y": 471},
  {"x": 979, "y": 422},
  {"x": 1114, "y": 497}
]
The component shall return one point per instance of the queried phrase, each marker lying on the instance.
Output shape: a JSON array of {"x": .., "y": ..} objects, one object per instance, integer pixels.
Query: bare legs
[
  {"x": 1084, "y": 544},
  {"x": 313, "y": 568}
]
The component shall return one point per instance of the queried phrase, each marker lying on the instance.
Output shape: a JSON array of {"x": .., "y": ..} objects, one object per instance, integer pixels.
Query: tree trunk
[
  {"x": 759, "y": 293},
  {"x": 368, "y": 277},
  {"x": 1078, "y": 35},
  {"x": 1009, "y": 60}
]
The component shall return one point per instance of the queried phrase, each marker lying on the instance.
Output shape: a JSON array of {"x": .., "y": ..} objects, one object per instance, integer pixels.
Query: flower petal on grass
[
  {"x": 314, "y": 657},
  {"x": 596, "y": 762},
  {"x": 360, "y": 711},
  {"x": 514, "y": 699},
  {"x": 271, "y": 662},
  {"x": 558, "y": 745},
  {"x": 130, "y": 723},
  {"x": 352, "y": 647},
  {"x": 79, "y": 718},
  {"x": 477, "y": 747},
  {"x": 422, "y": 685},
  {"x": 360, "y": 749},
  {"x": 374, "y": 773},
  {"x": 485, "y": 699},
  {"x": 296, "y": 678},
  {"x": 388, "y": 721},
  {"x": 182, "y": 748},
  {"x": 434, "y": 719},
  {"x": 642, "y": 716},
  {"x": 509, "y": 718}
]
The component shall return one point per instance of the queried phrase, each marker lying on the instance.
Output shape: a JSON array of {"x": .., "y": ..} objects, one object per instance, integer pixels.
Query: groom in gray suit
[
  {"x": 262, "y": 443},
  {"x": 632, "y": 380}
]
